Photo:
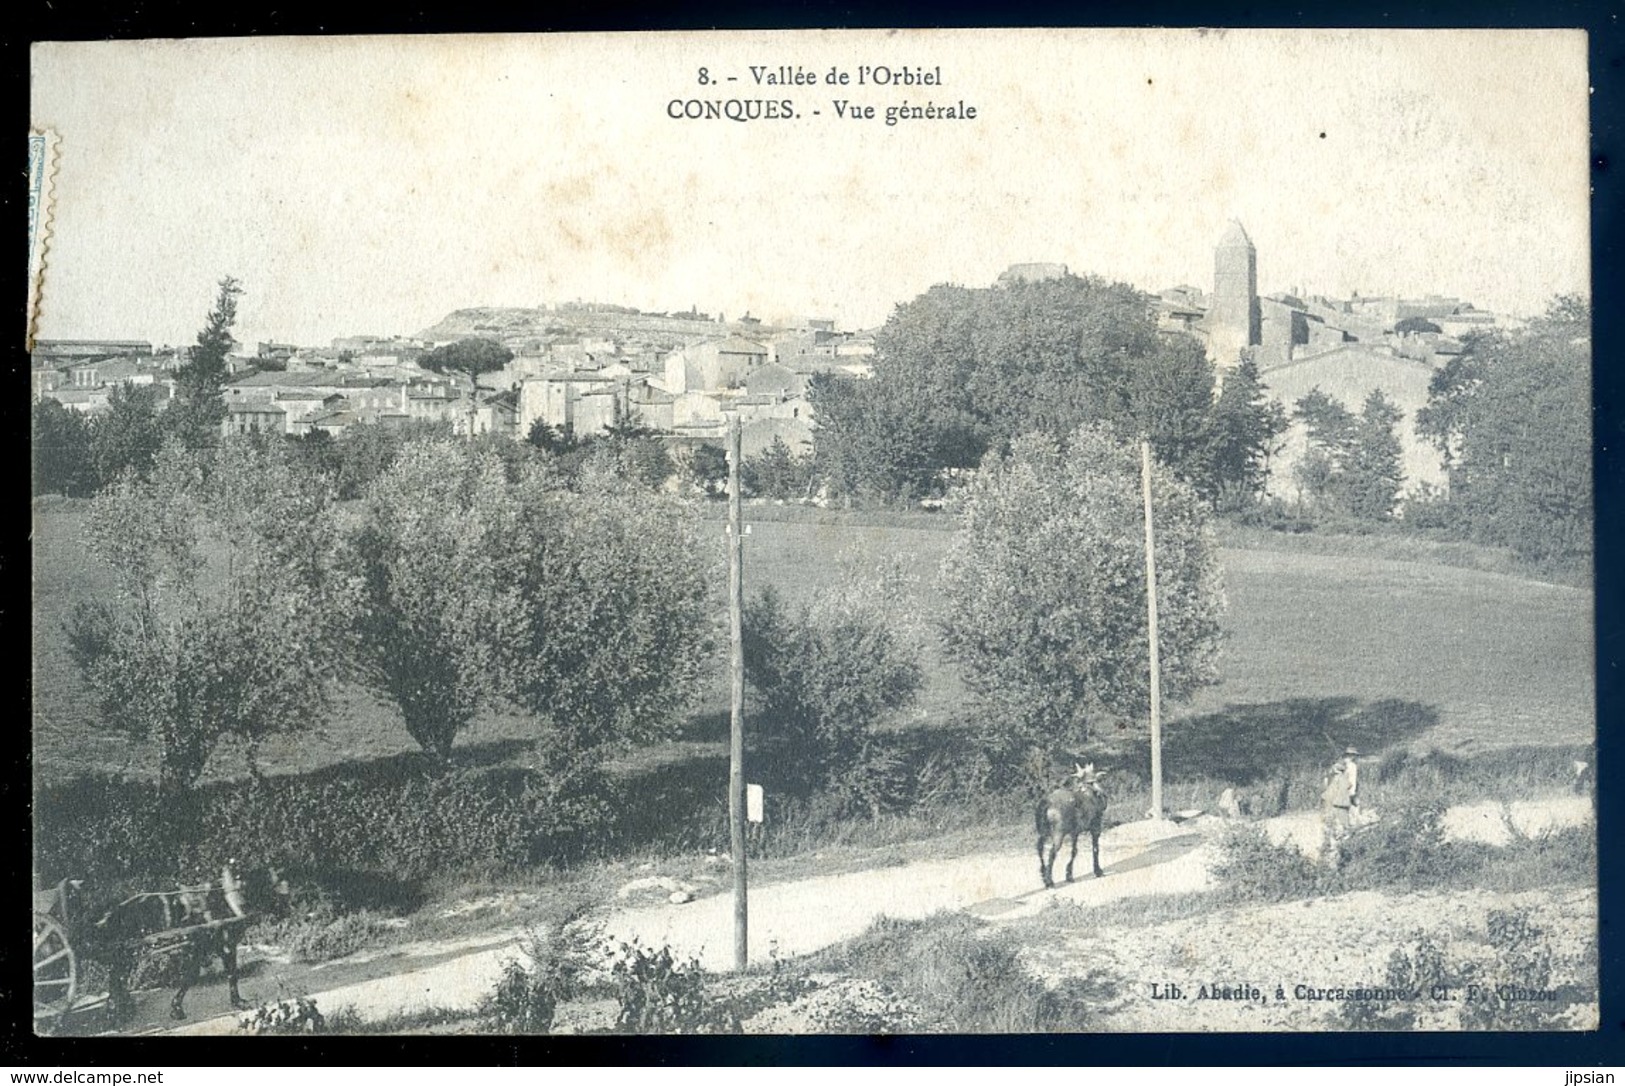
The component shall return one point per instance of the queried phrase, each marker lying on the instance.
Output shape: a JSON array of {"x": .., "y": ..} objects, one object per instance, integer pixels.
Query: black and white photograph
[{"x": 812, "y": 532}]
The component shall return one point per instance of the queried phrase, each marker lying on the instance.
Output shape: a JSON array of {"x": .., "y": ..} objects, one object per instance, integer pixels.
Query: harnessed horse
[
  {"x": 1076, "y": 807},
  {"x": 196, "y": 923}
]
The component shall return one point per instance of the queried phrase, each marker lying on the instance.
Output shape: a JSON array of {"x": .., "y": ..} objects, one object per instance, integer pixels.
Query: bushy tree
[
  {"x": 469, "y": 357},
  {"x": 128, "y": 435},
  {"x": 707, "y": 468},
  {"x": 1511, "y": 415},
  {"x": 1046, "y": 588},
  {"x": 436, "y": 555},
  {"x": 316, "y": 452},
  {"x": 886, "y": 441},
  {"x": 365, "y": 452},
  {"x": 1376, "y": 469},
  {"x": 1242, "y": 435},
  {"x": 616, "y": 595},
  {"x": 551, "y": 439},
  {"x": 1354, "y": 463},
  {"x": 61, "y": 447},
  {"x": 222, "y": 619},
  {"x": 960, "y": 371},
  {"x": 639, "y": 453},
  {"x": 826, "y": 674},
  {"x": 199, "y": 406},
  {"x": 776, "y": 472}
]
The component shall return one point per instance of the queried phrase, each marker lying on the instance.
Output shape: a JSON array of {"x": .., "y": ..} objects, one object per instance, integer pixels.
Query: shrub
[
  {"x": 965, "y": 976},
  {"x": 1252, "y": 868},
  {"x": 657, "y": 992},
  {"x": 1405, "y": 850},
  {"x": 523, "y": 1001},
  {"x": 1519, "y": 954},
  {"x": 527, "y": 996},
  {"x": 388, "y": 820},
  {"x": 287, "y": 1017},
  {"x": 826, "y": 674},
  {"x": 324, "y": 933}
]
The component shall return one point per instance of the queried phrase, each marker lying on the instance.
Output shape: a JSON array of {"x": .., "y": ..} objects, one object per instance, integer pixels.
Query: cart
[
  {"x": 142, "y": 928},
  {"x": 56, "y": 963}
]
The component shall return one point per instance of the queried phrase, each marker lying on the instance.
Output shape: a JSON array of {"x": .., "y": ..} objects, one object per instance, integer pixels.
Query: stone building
[{"x": 1233, "y": 321}]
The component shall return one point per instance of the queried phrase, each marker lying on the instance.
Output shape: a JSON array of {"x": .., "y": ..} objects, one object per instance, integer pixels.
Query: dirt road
[
  {"x": 789, "y": 918},
  {"x": 797, "y": 917}
]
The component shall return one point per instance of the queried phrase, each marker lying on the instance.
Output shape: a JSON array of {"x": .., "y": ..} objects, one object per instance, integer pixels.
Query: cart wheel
[{"x": 56, "y": 972}]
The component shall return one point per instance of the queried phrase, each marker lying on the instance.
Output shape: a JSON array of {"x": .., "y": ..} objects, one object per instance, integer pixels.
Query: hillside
[{"x": 528, "y": 328}]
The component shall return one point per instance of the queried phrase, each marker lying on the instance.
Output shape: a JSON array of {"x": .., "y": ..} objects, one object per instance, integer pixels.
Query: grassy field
[{"x": 1321, "y": 649}]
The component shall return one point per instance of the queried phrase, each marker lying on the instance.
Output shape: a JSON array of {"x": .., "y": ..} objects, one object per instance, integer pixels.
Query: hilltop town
[{"x": 580, "y": 367}]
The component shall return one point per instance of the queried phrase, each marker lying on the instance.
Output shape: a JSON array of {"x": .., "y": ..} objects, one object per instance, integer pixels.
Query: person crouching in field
[{"x": 1340, "y": 799}]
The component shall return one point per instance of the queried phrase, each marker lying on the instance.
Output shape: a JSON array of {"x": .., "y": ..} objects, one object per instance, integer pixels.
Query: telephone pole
[
  {"x": 736, "y": 662},
  {"x": 1151, "y": 617}
]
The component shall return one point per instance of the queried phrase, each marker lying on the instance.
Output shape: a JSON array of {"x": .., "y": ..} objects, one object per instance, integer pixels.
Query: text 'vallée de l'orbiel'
[{"x": 796, "y": 75}]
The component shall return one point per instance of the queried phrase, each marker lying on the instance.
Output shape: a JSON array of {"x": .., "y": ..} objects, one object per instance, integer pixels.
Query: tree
[
  {"x": 827, "y": 674},
  {"x": 222, "y": 621},
  {"x": 1512, "y": 416},
  {"x": 436, "y": 554},
  {"x": 776, "y": 472},
  {"x": 365, "y": 452},
  {"x": 1329, "y": 435},
  {"x": 199, "y": 406},
  {"x": 619, "y": 614},
  {"x": 469, "y": 357},
  {"x": 128, "y": 436},
  {"x": 316, "y": 453},
  {"x": 1376, "y": 469},
  {"x": 551, "y": 439},
  {"x": 1046, "y": 589},
  {"x": 1415, "y": 325},
  {"x": 61, "y": 446},
  {"x": 708, "y": 469},
  {"x": 639, "y": 452},
  {"x": 960, "y": 371},
  {"x": 1354, "y": 464},
  {"x": 886, "y": 441},
  {"x": 1241, "y": 436}
]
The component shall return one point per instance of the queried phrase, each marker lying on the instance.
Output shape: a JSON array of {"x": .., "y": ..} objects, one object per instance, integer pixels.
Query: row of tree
[
  {"x": 245, "y": 593},
  {"x": 458, "y": 584}
]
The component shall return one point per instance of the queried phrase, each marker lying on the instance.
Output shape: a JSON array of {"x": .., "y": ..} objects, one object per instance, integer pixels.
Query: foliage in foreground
[
  {"x": 284, "y": 1018},
  {"x": 1502, "y": 978},
  {"x": 964, "y": 975},
  {"x": 1405, "y": 851}
]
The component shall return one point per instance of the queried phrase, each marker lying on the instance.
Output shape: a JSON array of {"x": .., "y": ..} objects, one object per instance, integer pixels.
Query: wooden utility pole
[
  {"x": 736, "y": 663},
  {"x": 1151, "y": 616}
]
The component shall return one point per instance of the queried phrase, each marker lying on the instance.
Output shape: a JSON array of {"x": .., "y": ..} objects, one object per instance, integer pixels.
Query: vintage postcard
[{"x": 813, "y": 532}]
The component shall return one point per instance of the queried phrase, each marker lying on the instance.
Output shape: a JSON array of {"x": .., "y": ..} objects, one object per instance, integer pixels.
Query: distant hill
[{"x": 531, "y": 329}]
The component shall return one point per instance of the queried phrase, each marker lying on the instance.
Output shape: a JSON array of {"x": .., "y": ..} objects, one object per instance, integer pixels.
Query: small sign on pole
[{"x": 753, "y": 802}]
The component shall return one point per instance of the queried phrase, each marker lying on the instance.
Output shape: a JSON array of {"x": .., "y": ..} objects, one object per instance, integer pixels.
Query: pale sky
[{"x": 371, "y": 185}]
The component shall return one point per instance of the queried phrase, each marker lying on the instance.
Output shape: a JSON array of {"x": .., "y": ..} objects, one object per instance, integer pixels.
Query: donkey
[
  {"x": 192, "y": 915},
  {"x": 1076, "y": 807}
]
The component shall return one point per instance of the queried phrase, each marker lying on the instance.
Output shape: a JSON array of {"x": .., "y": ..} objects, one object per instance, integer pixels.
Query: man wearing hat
[{"x": 1340, "y": 796}]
